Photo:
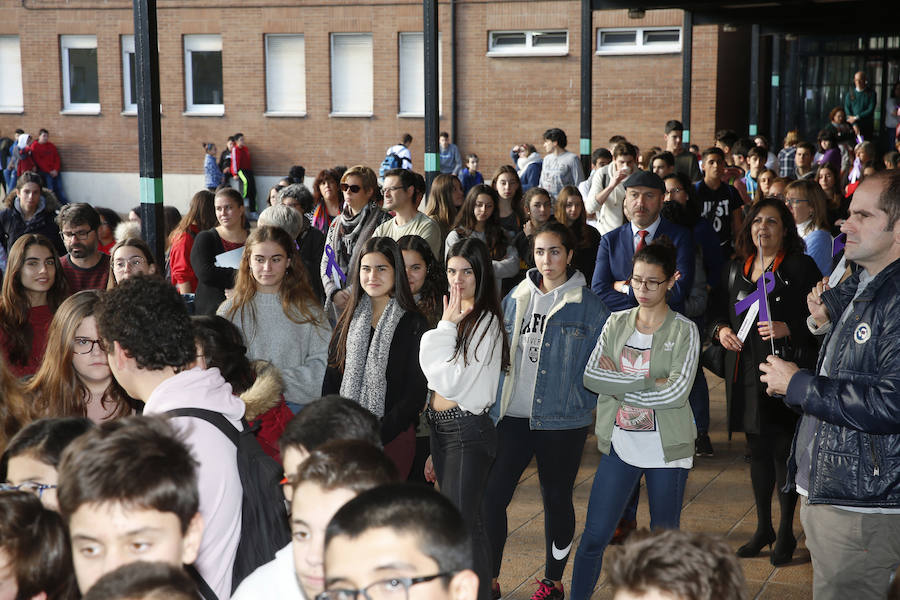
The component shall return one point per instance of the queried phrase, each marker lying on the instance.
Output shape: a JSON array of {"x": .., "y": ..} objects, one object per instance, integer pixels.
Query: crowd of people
[{"x": 267, "y": 408}]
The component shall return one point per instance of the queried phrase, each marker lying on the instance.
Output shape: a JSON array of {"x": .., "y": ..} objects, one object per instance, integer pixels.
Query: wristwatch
[{"x": 625, "y": 289}]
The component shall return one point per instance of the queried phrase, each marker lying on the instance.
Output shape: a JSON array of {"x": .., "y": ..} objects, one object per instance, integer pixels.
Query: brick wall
[{"x": 501, "y": 100}]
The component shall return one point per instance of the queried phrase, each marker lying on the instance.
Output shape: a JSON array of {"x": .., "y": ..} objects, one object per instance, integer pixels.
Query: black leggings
[
  {"x": 768, "y": 470},
  {"x": 558, "y": 455}
]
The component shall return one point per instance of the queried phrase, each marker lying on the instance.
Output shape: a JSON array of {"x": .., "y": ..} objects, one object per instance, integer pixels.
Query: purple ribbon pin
[
  {"x": 333, "y": 264},
  {"x": 769, "y": 281},
  {"x": 838, "y": 244}
]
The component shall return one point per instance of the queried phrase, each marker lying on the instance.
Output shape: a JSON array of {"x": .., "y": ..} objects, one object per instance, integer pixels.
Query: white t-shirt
[
  {"x": 635, "y": 436},
  {"x": 275, "y": 579}
]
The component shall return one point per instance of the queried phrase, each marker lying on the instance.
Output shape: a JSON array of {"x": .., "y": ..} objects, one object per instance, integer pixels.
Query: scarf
[{"x": 365, "y": 362}]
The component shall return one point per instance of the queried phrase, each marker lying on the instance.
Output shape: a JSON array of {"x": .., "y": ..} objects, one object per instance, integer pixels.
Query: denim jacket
[
  {"x": 856, "y": 453},
  {"x": 560, "y": 399}
]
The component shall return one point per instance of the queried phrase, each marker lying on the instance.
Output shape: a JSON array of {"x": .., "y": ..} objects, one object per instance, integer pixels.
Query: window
[
  {"x": 412, "y": 74},
  {"x": 285, "y": 75},
  {"x": 129, "y": 85},
  {"x": 81, "y": 92},
  {"x": 203, "y": 75},
  {"x": 351, "y": 75},
  {"x": 11, "y": 99},
  {"x": 528, "y": 43},
  {"x": 646, "y": 40}
]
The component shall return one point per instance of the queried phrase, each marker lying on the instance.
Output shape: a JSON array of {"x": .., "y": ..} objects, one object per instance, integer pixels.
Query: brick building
[{"x": 321, "y": 83}]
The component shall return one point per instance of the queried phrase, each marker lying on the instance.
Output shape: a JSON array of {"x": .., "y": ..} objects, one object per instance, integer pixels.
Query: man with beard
[{"x": 85, "y": 267}]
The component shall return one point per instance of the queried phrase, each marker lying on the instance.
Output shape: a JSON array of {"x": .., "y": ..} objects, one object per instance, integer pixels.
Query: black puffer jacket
[
  {"x": 856, "y": 455},
  {"x": 13, "y": 225}
]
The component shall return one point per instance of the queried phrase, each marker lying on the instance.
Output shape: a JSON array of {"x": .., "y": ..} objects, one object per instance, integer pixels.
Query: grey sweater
[{"x": 298, "y": 350}]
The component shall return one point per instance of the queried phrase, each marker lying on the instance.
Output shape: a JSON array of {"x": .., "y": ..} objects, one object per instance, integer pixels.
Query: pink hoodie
[{"x": 221, "y": 494}]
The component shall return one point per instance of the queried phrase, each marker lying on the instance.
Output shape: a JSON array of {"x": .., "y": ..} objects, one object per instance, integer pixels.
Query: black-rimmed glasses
[
  {"x": 83, "y": 345},
  {"x": 395, "y": 588}
]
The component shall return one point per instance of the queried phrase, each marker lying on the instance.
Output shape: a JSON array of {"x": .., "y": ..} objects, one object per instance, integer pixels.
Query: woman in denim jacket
[
  {"x": 462, "y": 359},
  {"x": 542, "y": 407},
  {"x": 642, "y": 368}
]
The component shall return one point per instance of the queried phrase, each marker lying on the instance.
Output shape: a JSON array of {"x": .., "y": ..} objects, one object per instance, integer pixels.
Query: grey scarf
[{"x": 365, "y": 363}]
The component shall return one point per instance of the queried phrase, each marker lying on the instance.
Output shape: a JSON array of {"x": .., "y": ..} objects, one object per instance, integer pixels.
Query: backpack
[
  {"x": 391, "y": 161},
  {"x": 264, "y": 522}
]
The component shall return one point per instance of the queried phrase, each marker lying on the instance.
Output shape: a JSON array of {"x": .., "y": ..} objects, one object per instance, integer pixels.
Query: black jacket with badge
[{"x": 856, "y": 455}]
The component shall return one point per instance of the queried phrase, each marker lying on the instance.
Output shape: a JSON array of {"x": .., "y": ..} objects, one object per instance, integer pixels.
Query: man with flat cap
[{"x": 643, "y": 202}]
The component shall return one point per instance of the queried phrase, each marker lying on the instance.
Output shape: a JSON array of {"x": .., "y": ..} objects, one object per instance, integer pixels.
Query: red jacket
[
  {"x": 45, "y": 156},
  {"x": 240, "y": 159},
  {"x": 180, "y": 259}
]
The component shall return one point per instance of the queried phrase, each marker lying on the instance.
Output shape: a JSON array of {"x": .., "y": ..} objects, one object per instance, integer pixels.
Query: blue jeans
[
  {"x": 10, "y": 178},
  {"x": 462, "y": 451},
  {"x": 613, "y": 485},
  {"x": 55, "y": 186}
]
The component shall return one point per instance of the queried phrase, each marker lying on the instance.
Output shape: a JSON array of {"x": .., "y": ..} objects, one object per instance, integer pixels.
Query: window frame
[
  {"x": 639, "y": 47},
  {"x": 351, "y": 113},
  {"x": 529, "y": 48},
  {"x": 270, "y": 112},
  {"x": 19, "y": 106},
  {"x": 201, "y": 42},
  {"x": 127, "y": 43},
  {"x": 77, "y": 42},
  {"x": 414, "y": 114}
]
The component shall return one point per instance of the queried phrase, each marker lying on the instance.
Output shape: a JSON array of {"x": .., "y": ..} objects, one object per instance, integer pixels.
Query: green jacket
[
  {"x": 860, "y": 104},
  {"x": 674, "y": 356}
]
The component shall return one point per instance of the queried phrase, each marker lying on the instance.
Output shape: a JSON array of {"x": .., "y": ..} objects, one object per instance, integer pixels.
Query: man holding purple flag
[
  {"x": 761, "y": 310},
  {"x": 846, "y": 456}
]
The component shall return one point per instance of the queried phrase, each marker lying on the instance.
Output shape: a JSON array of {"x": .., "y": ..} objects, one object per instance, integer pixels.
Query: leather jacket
[{"x": 856, "y": 448}]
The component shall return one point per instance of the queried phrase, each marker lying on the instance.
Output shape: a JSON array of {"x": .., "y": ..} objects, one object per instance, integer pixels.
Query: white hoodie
[{"x": 221, "y": 494}]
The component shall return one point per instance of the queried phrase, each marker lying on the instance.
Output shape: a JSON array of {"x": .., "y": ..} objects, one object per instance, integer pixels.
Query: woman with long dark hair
[
  {"x": 200, "y": 216},
  {"x": 372, "y": 358},
  {"x": 229, "y": 235},
  {"x": 768, "y": 245},
  {"x": 426, "y": 276},
  {"x": 478, "y": 218},
  {"x": 829, "y": 179},
  {"x": 129, "y": 257},
  {"x": 444, "y": 199},
  {"x": 509, "y": 194},
  {"x": 278, "y": 313},
  {"x": 463, "y": 358},
  {"x": 570, "y": 211},
  {"x": 33, "y": 288},
  {"x": 543, "y": 408}
]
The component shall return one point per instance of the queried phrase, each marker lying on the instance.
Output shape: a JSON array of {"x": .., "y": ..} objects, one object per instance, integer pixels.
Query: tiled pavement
[{"x": 718, "y": 500}]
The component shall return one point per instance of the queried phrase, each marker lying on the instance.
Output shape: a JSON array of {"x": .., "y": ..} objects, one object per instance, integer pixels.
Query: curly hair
[
  {"x": 56, "y": 389},
  {"x": 435, "y": 285},
  {"x": 149, "y": 320},
  {"x": 791, "y": 243},
  {"x": 15, "y": 307}
]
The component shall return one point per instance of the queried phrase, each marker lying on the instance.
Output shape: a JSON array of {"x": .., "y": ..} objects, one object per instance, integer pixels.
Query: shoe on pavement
[
  {"x": 548, "y": 591},
  {"x": 703, "y": 447}
]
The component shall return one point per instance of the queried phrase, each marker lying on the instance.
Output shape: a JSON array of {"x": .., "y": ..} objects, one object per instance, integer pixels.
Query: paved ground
[{"x": 718, "y": 500}]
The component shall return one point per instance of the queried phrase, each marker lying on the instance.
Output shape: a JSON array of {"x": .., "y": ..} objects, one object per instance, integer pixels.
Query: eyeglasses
[
  {"x": 81, "y": 235},
  {"x": 31, "y": 487},
  {"x": 83, "y": 345},
  {"x": 353, "y": 188},
  {"x": 795, "y": 201},
  {"x": 391, "y": 189},
  {"x": 651, "y": 285},
  {"x": 395, "y": 588},
  {"x": 134, "y": 262},
  {"x": 675, "y": 190}
]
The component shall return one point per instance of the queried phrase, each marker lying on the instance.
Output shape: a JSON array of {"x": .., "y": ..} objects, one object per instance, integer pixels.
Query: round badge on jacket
[{"x": 862, "y": 333}]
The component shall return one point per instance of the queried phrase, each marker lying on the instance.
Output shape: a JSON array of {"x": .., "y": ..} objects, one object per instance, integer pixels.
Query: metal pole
[
  {"x": 432, "y": 108},
  {"x": 687, "y": 56},
  {"x": 587, "y": 31},
  {"x": 146, "y": 54},
  {"x": 754, "y": 80},
  {"x": 454, "y": 113},
  {"x": 775, "y": 110}
]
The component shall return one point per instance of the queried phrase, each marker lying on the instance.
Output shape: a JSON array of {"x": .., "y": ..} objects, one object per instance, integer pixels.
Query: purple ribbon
[
  {"x": 768, "y": 279},
  {"x": 838, "y": 244},
  {"x": 333, "y": 264}
]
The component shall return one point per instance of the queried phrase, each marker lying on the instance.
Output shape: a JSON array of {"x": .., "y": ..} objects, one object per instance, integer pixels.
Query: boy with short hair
[
  {"x": 720, "y": 202},
  {"x": 333, "y": 474},
  {"x": 144, "y": 581},
  {"x": 406, "y": 534},
  {"x": 150, "y": 345},
  {"x": 756, "y": 161},
  {"x": 469, "y": 176},
  {"x": 803, "y": 161},
  {"x": 128, "y": 491},
  {"x": 561, "y": 167}
]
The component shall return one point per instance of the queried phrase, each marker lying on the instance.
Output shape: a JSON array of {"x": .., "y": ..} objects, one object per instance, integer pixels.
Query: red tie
[{"x": 642, "y": 243}]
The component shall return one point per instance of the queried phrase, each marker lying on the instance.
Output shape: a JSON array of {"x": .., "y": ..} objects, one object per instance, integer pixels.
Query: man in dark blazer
[{"x": 643, "y": 202}]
